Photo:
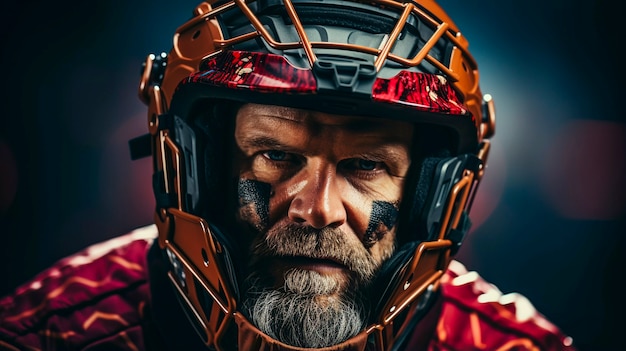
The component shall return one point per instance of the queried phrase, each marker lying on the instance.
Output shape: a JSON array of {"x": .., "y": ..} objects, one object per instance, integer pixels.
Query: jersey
[
  {"x": 97, "y": 299},
  {"x": 475, "y": 315},
  {"x": 92, "y": 300}
]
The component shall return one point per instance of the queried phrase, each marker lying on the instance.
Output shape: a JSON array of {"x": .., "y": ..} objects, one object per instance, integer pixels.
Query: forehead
[{"x": 256, "y": 116}]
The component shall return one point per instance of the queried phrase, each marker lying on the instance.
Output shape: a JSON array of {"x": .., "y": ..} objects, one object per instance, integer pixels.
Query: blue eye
[
  {"x": 362, "y": 165},
  {"x": 366, "y": 165},
  {"x": 276, "y": 155}
]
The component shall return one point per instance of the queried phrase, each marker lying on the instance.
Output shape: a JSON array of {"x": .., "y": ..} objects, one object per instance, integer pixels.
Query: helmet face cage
[{"x": 381, "y": 58}]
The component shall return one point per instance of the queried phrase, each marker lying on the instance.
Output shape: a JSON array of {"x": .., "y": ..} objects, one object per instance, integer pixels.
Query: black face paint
[
  {"x": 384, "y": 217},
  {"x": 254, "y": 202}
]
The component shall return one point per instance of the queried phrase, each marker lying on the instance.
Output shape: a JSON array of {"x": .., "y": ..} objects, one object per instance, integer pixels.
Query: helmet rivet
[
  {"x": 205, "y": 257},
  {"x": 163, "y": 214},
  {"x": 153, "y": 120},
  {"x": 393, "y": 308}
]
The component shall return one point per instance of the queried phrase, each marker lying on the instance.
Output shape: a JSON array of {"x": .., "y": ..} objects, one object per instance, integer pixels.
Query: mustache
[{"x": 294, "y": 240}]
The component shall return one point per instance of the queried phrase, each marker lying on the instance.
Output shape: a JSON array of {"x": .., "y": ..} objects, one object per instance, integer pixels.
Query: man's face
[{"x": 319, "y": 194}]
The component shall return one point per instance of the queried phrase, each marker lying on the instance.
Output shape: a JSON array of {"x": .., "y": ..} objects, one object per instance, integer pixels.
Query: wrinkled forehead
[{"x": 253, "y": 115}]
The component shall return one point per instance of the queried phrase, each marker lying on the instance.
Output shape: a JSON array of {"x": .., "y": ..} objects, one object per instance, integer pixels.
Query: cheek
[
  {"x": 254, "y": 203},
  {"x": 383, "y": 248}
]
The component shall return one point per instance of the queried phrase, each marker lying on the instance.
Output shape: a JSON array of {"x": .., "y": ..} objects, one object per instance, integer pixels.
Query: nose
[{"x": 318, "y": 202}]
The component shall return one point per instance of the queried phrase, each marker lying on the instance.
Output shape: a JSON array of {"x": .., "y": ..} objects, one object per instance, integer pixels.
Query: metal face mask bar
[{"x": 202, "y": 37}]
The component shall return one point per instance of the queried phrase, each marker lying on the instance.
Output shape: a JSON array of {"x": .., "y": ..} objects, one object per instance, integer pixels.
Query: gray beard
[{"x": 307, "y": 311}]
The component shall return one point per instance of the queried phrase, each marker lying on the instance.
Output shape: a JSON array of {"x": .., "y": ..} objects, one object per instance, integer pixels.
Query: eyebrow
[
  {"x": 262, "y": 142},
  {"x": 386, "y": 153}
]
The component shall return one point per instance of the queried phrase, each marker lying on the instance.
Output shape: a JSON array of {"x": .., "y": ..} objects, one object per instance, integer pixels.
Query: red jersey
[
  {"x": 477, "y": 316},
  {"x": 97, "y": 299}
]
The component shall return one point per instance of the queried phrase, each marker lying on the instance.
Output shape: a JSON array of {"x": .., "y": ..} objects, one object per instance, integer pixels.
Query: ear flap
[
  {"x": 432, "y": 188},
  {"x": 415, "y": 227},
  {"x": 447, "y": 173},
  {"x": 186, "y": 141},
  {"x": 206, "y": 142},
  {"x": 210, "y": 124}
]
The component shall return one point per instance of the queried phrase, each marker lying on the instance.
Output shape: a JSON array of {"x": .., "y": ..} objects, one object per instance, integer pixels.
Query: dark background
[{"x": 549, "y": 222}]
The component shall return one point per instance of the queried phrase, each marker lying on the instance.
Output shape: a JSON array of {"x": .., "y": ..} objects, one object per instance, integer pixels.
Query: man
[{"x": 314, "y": 168}]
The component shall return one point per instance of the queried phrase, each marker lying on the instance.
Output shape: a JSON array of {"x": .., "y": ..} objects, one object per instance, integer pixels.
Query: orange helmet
[{"x": 381, "y": 58}]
